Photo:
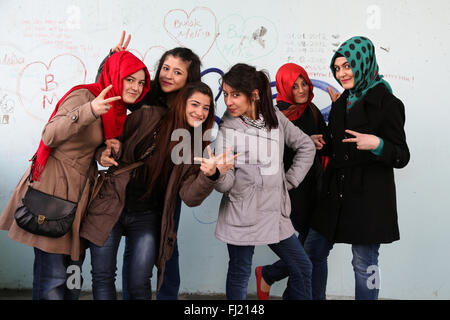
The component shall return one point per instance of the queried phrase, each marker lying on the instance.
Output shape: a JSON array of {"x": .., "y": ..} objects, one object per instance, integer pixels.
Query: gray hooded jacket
[{"x": 255, "y": 206}]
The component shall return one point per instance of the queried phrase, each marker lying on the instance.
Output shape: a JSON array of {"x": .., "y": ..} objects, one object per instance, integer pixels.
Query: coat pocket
[
  {"x": 241, "y": 208},
  {"x": 108, "y": 198},
  {"x": 268, "y": 191}
]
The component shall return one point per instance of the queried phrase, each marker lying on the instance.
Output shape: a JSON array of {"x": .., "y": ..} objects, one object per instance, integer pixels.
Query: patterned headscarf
[{"x": 360, "y": 54}]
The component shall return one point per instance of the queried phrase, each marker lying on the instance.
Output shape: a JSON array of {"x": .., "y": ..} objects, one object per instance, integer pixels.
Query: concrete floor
[{"x": 12, "y": 294}]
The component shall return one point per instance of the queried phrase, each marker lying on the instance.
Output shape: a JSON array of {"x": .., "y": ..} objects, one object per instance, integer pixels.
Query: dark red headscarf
[
  {"x": 116, "y": 68},
  {"x": 285, "y": 78}
]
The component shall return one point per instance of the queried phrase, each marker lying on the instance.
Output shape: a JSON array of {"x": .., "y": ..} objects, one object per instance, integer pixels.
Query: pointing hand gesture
[
  {"x": 100, "y": 105},
  {"x": 122, "y": 46},
  {"x": 363, "y": 141},
  {"x": 318, "y": 140},
  {"x": 221, "y": 162}
]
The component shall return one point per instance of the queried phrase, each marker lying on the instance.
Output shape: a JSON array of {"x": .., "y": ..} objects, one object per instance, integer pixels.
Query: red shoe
[{"x": 261, "y": 294}]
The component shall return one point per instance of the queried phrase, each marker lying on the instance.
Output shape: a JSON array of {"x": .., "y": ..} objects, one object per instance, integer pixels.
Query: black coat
[
  {"x": 358, "y": 202},
  {"x": 304, "y": 197}
]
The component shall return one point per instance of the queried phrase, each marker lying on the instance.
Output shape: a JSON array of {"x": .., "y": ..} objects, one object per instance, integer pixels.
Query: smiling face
[
  {"x": 344, "y": 73},
  {"x": 197, "y": 108},
  {"x": 238, "y": 103},
  {"x": 132, "y": 87},
  {"x": 174, "y": 74},
  {"x": 300, "y": 91}
]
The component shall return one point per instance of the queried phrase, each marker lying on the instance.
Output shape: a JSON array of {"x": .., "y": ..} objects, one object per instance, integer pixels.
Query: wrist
[
  {"x": 378, "y": 150},
  {"x": 93, "y": 113},
  {"x": 215, "y": 176}
]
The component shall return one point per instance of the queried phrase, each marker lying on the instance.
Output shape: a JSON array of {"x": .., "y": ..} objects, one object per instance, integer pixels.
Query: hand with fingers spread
[
  {"x": 318, "y": 140},
  {"x": 221, "y": 162},
  {"x": 121, "y": 46},
  {"x": 363, "y": 141},
  {"x": 100, "y": 105},
  {"x": 334, "y": 95},
  {"x": 226, "y": 161},
  {"x": 107, "y": 157}
]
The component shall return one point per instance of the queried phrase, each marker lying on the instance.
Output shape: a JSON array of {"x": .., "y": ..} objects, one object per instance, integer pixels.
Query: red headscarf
[
  {"x": 285, "y": 78},
  {"x": 116, "y": 68}
]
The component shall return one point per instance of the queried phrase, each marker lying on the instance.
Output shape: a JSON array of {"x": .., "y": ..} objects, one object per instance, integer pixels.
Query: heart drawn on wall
[
  {"x": 41, "y": 85},
  {"x": 196, "y": 30},
  {"x": 150, "y": 57},
  {"x": 245, "y": 39}
]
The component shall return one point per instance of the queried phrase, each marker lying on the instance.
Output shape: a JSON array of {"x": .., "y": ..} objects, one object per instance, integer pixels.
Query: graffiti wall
[{"x": 47, "y": 47}]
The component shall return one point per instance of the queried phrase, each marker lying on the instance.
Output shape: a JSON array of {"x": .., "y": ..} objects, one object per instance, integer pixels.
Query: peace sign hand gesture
[
  {"x": 221, "y": 162},
  {"x": 363, "y": 141},
  {"x": 100, "y": 105},
  {"x": 122, "y": 46},
  {"x": 334, "y": 95}
]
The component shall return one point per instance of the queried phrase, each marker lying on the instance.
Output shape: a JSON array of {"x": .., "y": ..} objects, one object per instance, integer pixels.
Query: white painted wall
[{"x": 46, "y": 47}]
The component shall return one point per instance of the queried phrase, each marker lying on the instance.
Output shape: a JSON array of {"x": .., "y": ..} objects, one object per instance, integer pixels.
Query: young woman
[
  {"x": 176, "y": 68},
  {"x": 150, "y": 192},
  {"x": 255, "y": 207},
  {"x": 295, "y": 93},
  {"x": 81, "y": 121},
  {"x": 366, "y": 142}
]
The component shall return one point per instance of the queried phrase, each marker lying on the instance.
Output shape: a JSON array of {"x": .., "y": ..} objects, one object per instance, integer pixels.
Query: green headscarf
[{"x": 360, "y": 54}]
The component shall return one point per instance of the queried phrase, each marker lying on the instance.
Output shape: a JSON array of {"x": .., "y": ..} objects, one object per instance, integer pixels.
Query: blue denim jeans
[
  {"x": 317, "y": 248},
  {"x": 289, "y": 250},
  {"x": 56, "y": 276},
  {"x": 142, "y": 230},
  {"x": 365, "y": 266},
  {"x": 171, "y": 282},
  {"x": 279, "y": 270},
  {"x": 367, "y": 273}
]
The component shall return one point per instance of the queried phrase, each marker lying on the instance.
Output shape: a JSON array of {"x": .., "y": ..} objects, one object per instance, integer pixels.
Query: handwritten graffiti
[
  {"x": 150, "y": 57},
  {"x": 11, "y": 59},
  {"x": 198, "y": 29},
  {"x": 41, "y": 85},
  {"x": 7, "y": 106},
  {"x": 11, "y": 55},
  {"x": 245, "y": 39}
]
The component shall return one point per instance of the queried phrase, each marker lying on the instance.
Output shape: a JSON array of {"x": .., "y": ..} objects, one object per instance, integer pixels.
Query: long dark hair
[
  {"x": 158, "y": 166},
  {"x": 157, "y": 97},
  {"x": 245, "y": 78}
]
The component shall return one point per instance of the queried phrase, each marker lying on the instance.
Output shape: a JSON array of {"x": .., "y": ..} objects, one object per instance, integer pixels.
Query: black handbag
[{"x": 46, "y": 215}]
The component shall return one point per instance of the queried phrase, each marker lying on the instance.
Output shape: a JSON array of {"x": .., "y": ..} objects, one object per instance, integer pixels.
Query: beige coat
[{"x": 73, "y": 134}]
